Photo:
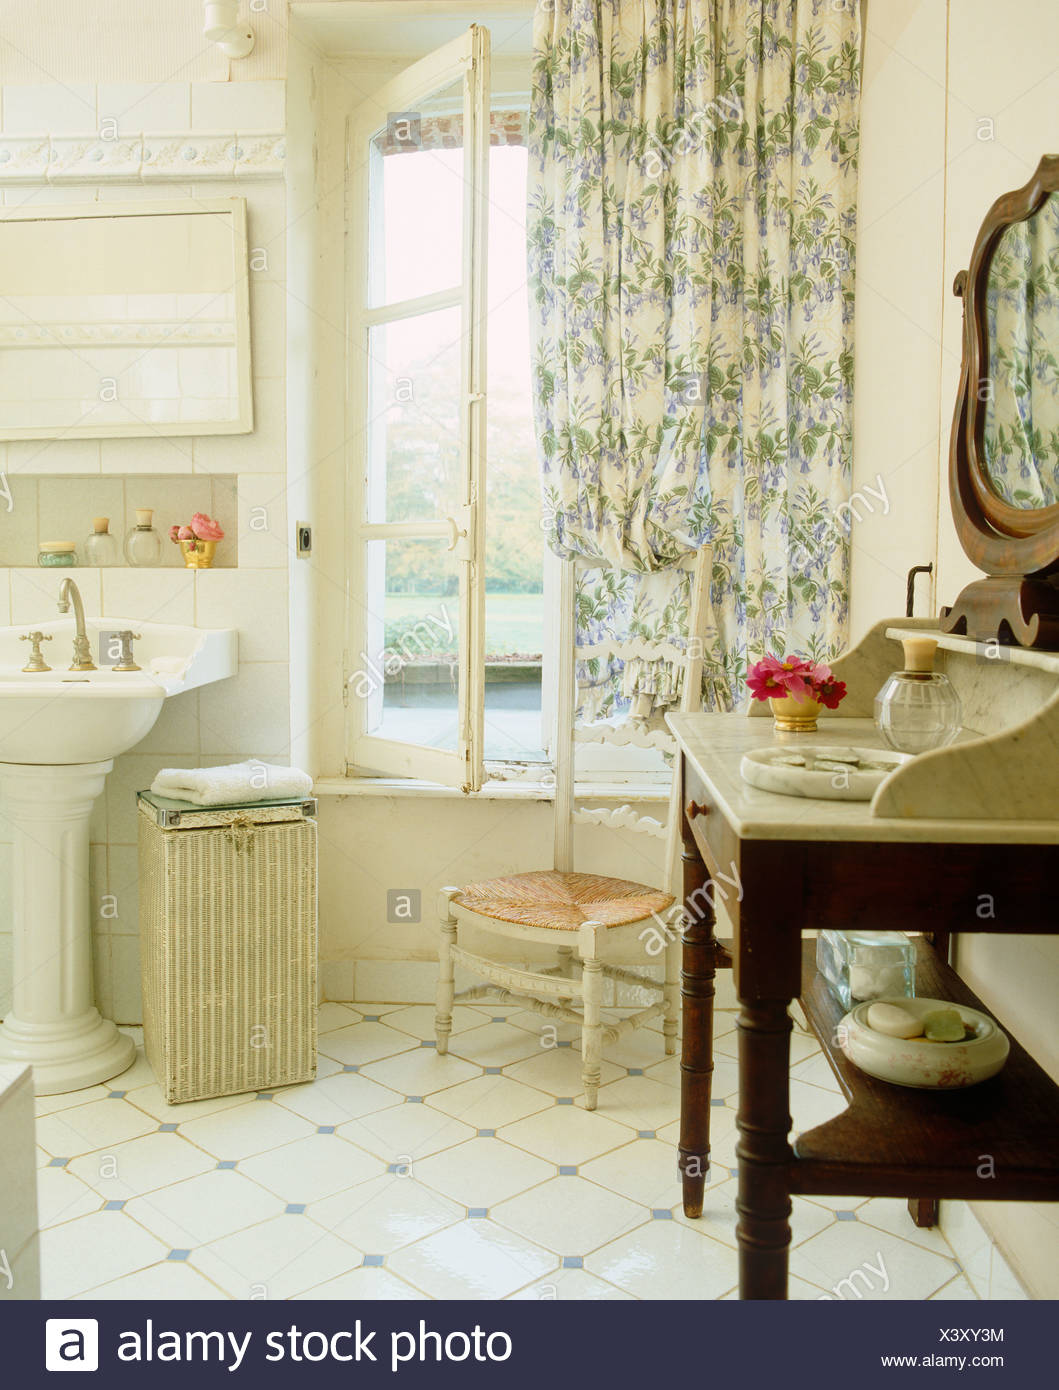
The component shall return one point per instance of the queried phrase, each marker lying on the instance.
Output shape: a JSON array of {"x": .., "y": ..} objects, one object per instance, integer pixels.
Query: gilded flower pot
[
  {"x": 198, "y": 555},
  {"x": 793, "y": 716}
]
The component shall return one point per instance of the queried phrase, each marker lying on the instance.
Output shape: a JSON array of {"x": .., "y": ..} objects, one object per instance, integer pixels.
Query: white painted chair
[{"x": 584, "y": 916}]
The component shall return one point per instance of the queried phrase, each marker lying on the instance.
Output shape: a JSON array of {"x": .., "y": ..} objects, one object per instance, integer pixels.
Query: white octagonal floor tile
[
  {"x": 847, "y": 1258},
  {"x": 481, "y": 1172},
  {"x": 205, "y": 1208},
  {"x": 337, "y": 1098},
  {"x": 364, "y": 1042},
  {"x": 364, "y": 1285},
  {"x": 568, "y": 1286},
  {"x": 405, "y": 1133},
  {"x": 93, "y": 1250},
  {"x": 420, "y": 1072},
  {"x": 141, "y": 1165},
  {"x": 639, "y": 1102},
  {"x": 665, "y": 1260},
  {"x": 494, "y": 1045},
  {"x": 565, "y": 1134},
  {"x": 389, "y": 1211},
  {"x": 569, "y": 1217},
  {"x": 558, "y": 1071},
  {"x": 171, "y": 1279},
  {"x": 474, "y": 1259},
  {"x": 61, "y": 1197},
  {"x": 246, "y": 1129},
  {"x": 311, "y": 1168},
  {"x": 83, "y": 1128},
  {"x": 275, "y": 1259},
  {"x": 487, "y": 1102}
]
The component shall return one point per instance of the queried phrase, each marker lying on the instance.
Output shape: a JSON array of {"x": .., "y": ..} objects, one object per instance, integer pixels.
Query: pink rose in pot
[
  {"x": 174, "y": 533},
  {"x": 185, "y": 533},
  {"x": 205, "y": 528}
]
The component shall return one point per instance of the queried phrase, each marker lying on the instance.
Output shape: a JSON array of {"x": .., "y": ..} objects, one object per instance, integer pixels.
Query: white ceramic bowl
[{"x": 927, "y": 1066}]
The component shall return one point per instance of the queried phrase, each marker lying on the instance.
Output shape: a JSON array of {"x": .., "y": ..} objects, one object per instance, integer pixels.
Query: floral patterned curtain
[{"x": 691, "y": 231}]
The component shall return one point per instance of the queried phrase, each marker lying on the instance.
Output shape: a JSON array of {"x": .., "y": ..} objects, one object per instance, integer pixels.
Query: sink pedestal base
[{"x": 53, "y": 1024}]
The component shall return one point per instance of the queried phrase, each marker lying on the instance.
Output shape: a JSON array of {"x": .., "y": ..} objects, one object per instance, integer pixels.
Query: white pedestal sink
[{"x": 59, "y": 733}]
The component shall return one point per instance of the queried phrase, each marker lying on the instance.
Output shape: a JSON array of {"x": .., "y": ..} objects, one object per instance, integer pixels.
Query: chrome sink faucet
[{"x": 69, "y": 592}]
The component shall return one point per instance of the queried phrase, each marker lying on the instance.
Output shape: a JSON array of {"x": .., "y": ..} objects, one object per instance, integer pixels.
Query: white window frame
[{"x": 468, "y": 58}]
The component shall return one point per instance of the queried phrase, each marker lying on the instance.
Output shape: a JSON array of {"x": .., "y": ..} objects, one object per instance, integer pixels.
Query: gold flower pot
[
  {"x": 793, "y": 716},
  {"x": 198, "y": 555}
]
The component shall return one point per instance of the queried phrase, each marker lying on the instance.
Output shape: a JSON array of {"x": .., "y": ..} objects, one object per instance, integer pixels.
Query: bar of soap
[
  {"x": 788, "y": 760},
  {"x": 894, "y": 1021},
  {"x": 943, "y": 1025}
]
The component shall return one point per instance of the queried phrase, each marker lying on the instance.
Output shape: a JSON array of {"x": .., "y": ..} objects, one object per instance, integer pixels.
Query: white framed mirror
[{"x": 124, "y": 320}]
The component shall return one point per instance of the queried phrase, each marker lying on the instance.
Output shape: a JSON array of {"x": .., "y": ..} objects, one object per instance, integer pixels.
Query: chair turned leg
[
  {"x": 671, "y": 995},
  {"x": 592, "y": 1027},
  {"x": 446, "y": 971}
]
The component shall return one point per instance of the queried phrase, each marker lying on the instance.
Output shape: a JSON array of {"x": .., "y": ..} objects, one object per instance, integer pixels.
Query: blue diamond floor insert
[
  {"x": 499, "y": 1018},
  {"x": 564, "y": 1100},
  {"x": 350, "y": 1067},
  {"x": 431, "y": 1043},
  {"x": 114, "y": 1205},
  {"x": 264, "y": 1095},
  {"x": 716, "y": 1102},
  {"x": 567, "y": 1170},
  {"x": 167, "y": 1129},
  {"x": 227, "y": 1163},
  {"x": 635, "y": 1071},
  {"x": 564, "y": 1044},
  {"x": 295, "y": 1209},
  {"x": 645, "y": 1134},
  {"x": 373, "y": 1261},
  {"x": 325, "y": 1129},
  {"x": 493, "y": 1071},
  {"x": 178, "y": 1254},
  {"x": 372, "y": 1018},
  {"x": 477, "y": 1213},
  {"x": 413, "y": 1100},
  {"x": 487, "y": 1134},
  {"x": 58, "y": 1163},
  {"x": 115, "y": 1095},
  {"x": 573, "y": 1262},
  {"x": 661, "y": 1214},
  {"x": 845, "y": 1216}
]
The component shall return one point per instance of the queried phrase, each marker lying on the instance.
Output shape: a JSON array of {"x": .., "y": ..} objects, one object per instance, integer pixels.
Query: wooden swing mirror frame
[{"x": 1018, "y": 602}]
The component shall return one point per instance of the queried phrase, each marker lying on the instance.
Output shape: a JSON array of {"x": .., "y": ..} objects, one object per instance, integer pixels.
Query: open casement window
[{"x": 417, "y": 393}]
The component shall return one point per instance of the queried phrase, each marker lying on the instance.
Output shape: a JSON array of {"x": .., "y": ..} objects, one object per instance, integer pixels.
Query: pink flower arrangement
[
  {"x": 775, "y": 678},
  {"x": 202, "y": 528}
]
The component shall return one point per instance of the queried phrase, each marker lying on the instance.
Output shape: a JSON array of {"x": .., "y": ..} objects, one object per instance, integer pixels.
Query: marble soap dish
[{"x": 831, "y": 772}]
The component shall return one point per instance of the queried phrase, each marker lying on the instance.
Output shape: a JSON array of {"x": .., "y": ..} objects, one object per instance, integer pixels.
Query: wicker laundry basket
[{"x": 228, "y": 945}]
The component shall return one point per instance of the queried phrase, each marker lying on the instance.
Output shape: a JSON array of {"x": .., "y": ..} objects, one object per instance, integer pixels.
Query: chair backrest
[{"x": 687, "y": 659}]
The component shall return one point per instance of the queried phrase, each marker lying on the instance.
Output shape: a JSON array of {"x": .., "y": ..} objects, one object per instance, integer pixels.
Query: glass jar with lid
[{"x": 56, "y": 554}]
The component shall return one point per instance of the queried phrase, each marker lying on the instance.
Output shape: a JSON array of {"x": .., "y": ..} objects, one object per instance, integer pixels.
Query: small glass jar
[
  {"x": 101, "y": 548},
  {"x": 57, "y": 554},
  {"x": 860, "y": 965},
  {"x": 143, "y": 545}
]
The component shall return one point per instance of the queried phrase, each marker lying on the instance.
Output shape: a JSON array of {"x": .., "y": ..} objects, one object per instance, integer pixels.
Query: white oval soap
[{"x": 894, "y": 1021}]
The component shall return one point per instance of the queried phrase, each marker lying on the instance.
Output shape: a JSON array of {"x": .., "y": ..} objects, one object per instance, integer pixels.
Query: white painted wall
[{"x": 959, "y": 105}]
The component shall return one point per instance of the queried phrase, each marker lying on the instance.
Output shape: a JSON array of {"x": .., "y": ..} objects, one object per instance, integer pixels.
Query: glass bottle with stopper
[
  {"x": 918, "y": 709},
  {"x": 101, "y": 548},
  {"x": 143, "y": 545}
]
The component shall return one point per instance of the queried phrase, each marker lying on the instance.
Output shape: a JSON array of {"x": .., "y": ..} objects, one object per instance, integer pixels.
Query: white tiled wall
[{"x": 57, "y": 486}]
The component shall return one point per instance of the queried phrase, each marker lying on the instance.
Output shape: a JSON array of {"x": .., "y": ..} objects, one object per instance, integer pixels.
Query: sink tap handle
[
  {"x": 36, "y": 662},
  {"x": 125, "y": 660}
]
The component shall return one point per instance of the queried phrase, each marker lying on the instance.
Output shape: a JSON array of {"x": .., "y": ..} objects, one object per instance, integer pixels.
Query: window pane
[
  {"x": 417, "y": 191},
  {"x": 514, "y": 539},
  {"x": 410, "y": 666},
  {"x": 413, "y": 439}
]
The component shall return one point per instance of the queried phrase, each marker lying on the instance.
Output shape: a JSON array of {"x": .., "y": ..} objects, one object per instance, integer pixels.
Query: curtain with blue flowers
[{"x": 692, "y": 210}]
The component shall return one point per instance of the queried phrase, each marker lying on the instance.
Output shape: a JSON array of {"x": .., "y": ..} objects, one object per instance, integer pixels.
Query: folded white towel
[{"x": 231, "y": 784}]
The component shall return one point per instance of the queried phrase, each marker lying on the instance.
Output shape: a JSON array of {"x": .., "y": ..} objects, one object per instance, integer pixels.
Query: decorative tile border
[{"x": 177, "y": 157}]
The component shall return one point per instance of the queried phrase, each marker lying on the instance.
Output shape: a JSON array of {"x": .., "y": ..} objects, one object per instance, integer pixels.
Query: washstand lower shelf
[{"x": 997, "y": 1141}]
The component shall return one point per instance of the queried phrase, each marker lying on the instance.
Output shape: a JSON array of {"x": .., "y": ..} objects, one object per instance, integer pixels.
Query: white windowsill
[{"x": 491, "y": 791}]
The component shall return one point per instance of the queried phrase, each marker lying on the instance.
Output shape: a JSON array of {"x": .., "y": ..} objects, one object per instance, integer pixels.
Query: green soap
[{"x": 943, "y": 1025}]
